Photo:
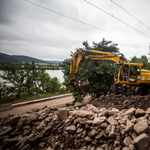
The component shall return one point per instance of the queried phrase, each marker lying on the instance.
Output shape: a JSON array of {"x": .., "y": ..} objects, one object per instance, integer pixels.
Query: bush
[{"x": 23, "y": 95}]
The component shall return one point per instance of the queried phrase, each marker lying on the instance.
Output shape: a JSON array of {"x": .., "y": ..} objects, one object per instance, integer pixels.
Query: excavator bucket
[{"x": 83, "y": 84}]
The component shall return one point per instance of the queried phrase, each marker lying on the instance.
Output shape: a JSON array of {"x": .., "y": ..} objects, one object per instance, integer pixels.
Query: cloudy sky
[{"x": 52, "y": 31}]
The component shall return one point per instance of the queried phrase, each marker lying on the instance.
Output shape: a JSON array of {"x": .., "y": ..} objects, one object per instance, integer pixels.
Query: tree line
[
  {"x": 25, "y": 83},
  {"x": 45, "y": 66}
]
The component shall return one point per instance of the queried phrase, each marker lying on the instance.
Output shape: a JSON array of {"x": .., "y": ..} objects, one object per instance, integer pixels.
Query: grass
[{"x": 38, "y": 96}]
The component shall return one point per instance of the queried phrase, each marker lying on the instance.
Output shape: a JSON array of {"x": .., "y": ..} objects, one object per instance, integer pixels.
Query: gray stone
[
  {"x": 141, "y": 127},
  {"x": 93, "y": 108},
  {"x": 129, "y": 126},
  {"x": 104, "y": 125},
  {"x": 112, "y": 121},
  {"x": 108, "y": 129},
  {"x": 130, "y": 111},
  {"x": 46, "y": 110},
  {"x": 113, "y": 111},
  {"x": 77, "y": 104},
  {"x": 117, "y": 148},
  {"x": 148, "y": 111},
  {"x": 131, "y": 147},
  {"x": 125, "y": 148},
  {"x": 139, "y": 112},
  {"x": 93, "y": 132},
  {"x": 79, "y": 130},
  {"x": 9, "y": 142},
  {"x": 41, "y": 126},
  {"x": 83, "y": 108},
  {"x": 133, "y": 135},
  {"x": 102, "y": 133},
  {"x": 99, "y": 120},
  {"x": 26, "y": 147},
  {"x": 71, "y": 129},
  {"x": 47, "y": 130},
  {"x": 141, "y": 142},
  {"x": 62, "y": 114},
  {"x": 84, "y": 148},
  {"x": 98, "y": 148},
  {"x": 127, "y": 141},
  {"x": 104, "y": 146},
  {"x": 82, "y": 113},
  {"x": 112, "y": 132},
  {"x": 9, "y": 129},
  {"x": 32, "y": 117},
  {"x": 49, "y": 148},
  {"x": 12, "y": 120},
  {"x": 88, "y": 139}
]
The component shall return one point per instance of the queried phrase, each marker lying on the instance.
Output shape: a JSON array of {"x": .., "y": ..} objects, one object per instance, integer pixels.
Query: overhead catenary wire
[
  {"x": 116, "y": 18},
  {"x": 111, "y": 8},
  {"x": 130, "y": 14},
  {"x": 82, "y": 22}
]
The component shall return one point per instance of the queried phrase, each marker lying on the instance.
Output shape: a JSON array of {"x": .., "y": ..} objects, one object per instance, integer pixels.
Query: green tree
[
  {"x": 143, "y": 60},
  {"x": 13, "y": 78},
  {"x": 43, "y": 82},
  {"x": 99, "y": 73},
  {"x": 31, "y": 74},
  {"x": 20, "y": 84}
]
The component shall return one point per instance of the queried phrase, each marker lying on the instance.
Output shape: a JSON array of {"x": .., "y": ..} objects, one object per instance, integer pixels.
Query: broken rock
[
  {"x": 127, "y": 141},
  {"x": 71, "y": 129},
  {"x": 130, "y": 111},
  {"x": 141, "y": 127},
  {"x": 99, "y": 120},
  {"x": 62, "y": 114},
  {"x": 141, "y": 142},
  {"x": 82, "y": 113},
  {"x": 112, "y": 121},
  {"x": 139, "y": 112}
]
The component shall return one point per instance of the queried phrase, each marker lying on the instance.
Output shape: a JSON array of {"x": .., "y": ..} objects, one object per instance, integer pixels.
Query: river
[
  {"x": 56, "y": 73},
  {"x": 53, "y": 73}
]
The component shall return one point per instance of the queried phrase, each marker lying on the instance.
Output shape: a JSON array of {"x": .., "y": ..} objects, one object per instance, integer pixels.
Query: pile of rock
[
  {"x": 85, "y": 127},
  {"x": 122, "y": 101}
]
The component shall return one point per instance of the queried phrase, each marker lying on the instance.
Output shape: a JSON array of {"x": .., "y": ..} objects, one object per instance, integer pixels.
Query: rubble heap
[
  {"x": 122, "y": 101},
  {"x": 76, "y": 127}
]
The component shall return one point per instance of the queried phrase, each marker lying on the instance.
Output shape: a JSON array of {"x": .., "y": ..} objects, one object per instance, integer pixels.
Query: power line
[
  {"x": 130, "y": 14},
  {"x": 116, "y": 18},
  {"x": 81, "y": 22}
]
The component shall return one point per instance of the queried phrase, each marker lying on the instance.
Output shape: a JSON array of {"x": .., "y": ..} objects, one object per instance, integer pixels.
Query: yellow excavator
[{"x": 129, "y": 78}]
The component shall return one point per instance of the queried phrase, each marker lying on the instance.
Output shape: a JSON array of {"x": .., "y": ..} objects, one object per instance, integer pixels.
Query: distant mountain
[
  {"x": 54, "y": 62},
  {"x": 5, "y": 58}
]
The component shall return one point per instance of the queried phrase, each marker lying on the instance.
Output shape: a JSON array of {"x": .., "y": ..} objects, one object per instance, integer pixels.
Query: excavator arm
[{"x": 78, "y": 56}]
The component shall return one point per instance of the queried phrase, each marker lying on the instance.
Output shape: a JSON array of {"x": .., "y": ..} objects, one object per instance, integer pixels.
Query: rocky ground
[
  {"x": 111, "y": 122},
  {"x": 122, "y": 102}
]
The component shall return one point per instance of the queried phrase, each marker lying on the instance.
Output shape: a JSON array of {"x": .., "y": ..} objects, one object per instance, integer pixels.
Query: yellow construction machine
[{"x": 129, "y": 77}]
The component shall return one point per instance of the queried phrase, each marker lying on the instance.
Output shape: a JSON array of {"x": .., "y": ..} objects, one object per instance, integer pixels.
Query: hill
[
  {"x": 5, "y": 58},
  {"x": 54, "y": 62}
]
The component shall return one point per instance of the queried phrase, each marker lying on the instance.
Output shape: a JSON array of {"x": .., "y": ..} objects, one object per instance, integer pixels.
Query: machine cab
[{"x": 127, "y": 73}]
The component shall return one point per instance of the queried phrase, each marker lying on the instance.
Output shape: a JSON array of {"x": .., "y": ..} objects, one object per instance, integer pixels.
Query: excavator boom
[{"x": 78, "y": 56}]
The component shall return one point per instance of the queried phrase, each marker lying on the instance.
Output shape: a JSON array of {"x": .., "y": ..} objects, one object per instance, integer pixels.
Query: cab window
[
  {"x": 138, "y": 70},
  {"x": 133, "y": 71},
  {"x": 125, "y": 72}
]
